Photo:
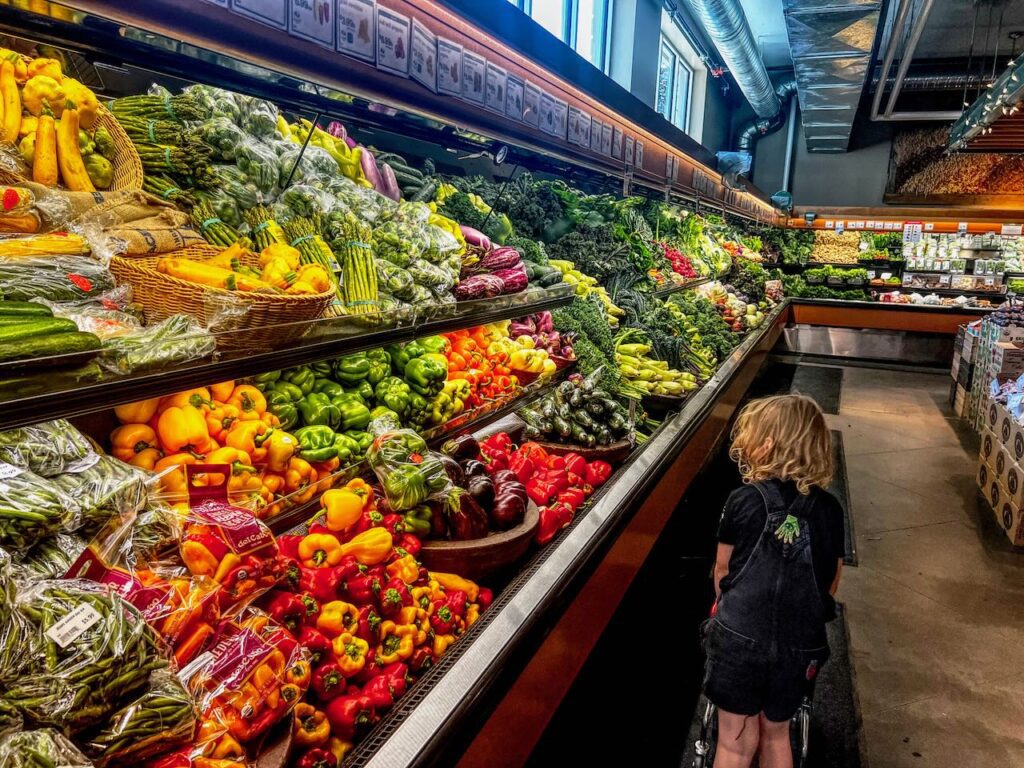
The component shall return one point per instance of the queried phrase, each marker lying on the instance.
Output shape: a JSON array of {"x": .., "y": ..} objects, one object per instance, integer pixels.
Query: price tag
[
  {"x": 357, "y": 29},
  {"x": 474, "y": 76},
  {"x": 616, "y": 143},
  {"x": 630, "y": 144},
  {"x": 8, "y": 471},
  {"x": 423, "y": 62},
  {"x": 639, "y": 154},
  {"x": 514, "y": 88},
  {"x": 1011, "y": 229},
  {"x": 494, "y": 93},
  {"x": 393, "y": 42},
  {"x": 74, "y": 625},
  {"x": 532, "y": 97},
  {"x": 961, "y": 228},
  {"x": 829, "y": 224},
  {"x": 840, "y": 227},
  {"x": 627, "y": 183},
  {"x": 607, "y": 144},
  {"x": 929, "y": 226},
  {"x": 912, "y": 232},
  {"x": 273, "y": 13},
  {"x": 312, "y": 20},
  {"x": 449, "y": 67}
]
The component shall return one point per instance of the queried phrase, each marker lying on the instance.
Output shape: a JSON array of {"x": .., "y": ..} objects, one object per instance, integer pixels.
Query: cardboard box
[
  {"x": 990, "y": 447},
  {"x": 997, "y": 334},
  {"x": 965, "y": 372},
  {"x": 1004, "y": 428},
  {"x": 960, "y": 399},
  {"x": 1013, "y": 484},
  {"x": 969, "y": 345},
  {"x": 1006, "y": 360},
  {"x": 990, "y": 412},
  {"x": 1003, "y": 461},
  {"x": 1016, "y": 444},
  {"x": 994, "y": 493},
  {"x": 1010, "y": 518},
  {"x": 985, "y": 476},
  {"x": 954, "y": 367}
]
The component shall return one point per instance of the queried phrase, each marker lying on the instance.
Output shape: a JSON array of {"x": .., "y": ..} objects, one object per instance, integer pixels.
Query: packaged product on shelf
[
  {"x": 104, "y": 487},
  {"x": 48, "y": 448},
  {"x": 45, "y": 746},
  {"x": 53, "y": 557},
  {"x": 177, "y": 339}
]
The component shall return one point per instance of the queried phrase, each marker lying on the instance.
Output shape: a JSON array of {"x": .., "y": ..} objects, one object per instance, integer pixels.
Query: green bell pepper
[
  {"x": 393, "y": 393},
  {"x": 417, "y": 520},
  {"x": 317, "y": 409},
  {"x": 442, "y": 408},
  {"x": 351, "y": 369},
  {"x": 426, "y": 375},
  {"x": 328, "y": 387},
  {"x": 348, "y": 449},
  {"x": 364, "y": 390},
  {"x": 316, "y": 443},
  {"x": 321, "y": 368},
  {"x": 283, "y": 400},
  {"x": 363, "y": 439},
  {"x": 380, "y": 365},
  {"x": 437, "y": 345},
  {"x": 418, "y": 409},
  {"x": 383, "y": 412},
  {"x": 401, "y": 354},
  {"x": 354, "y": 413},
  {"x": 265, "y": 379},
  {"x": 302, "y": 377}
]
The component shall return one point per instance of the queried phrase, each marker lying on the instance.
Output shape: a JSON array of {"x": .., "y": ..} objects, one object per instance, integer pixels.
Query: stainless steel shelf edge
[
  {"x": 661, "y": 293},
  {"x": 462, "y": 685}
]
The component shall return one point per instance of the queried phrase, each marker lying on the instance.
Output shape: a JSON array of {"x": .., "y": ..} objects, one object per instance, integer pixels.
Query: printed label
[
  {"x": 547, "y": 113},
  {"x": 269, "y": 12},
  {"x": 152, "y": 602},
  {"x": 8, "y": 471},
  {"x": 639, "y": 154},
  {"x": 596, "y": 126},
  {"x": 514, "y": 88},
  {"x": 1011, "y": 229},
  {"x": 392, "y": 42},
  {"x": 423, "y": 63},
  {"x": 494, "y": 92},
  {"x": 561, "y": 118},
  {"x": 474, "y": 76},
  {"x": 629, "y": 151},
  {"x": 357, "y": 28},
  {"x": 312, "y": 20},
  {"x": 236, "y": 657},
  {"x": 532, "y": 98},
  {"x": 616, "y": 143},
  {"x": 449, "y": 67},
  {"x": 74, "y": 625},
  {"x": 579, "y": 127},
  {"x": 239, "y": 527}
]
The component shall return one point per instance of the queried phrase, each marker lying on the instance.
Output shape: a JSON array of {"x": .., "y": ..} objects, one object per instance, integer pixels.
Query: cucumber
[
  {"x": 425, "y": 193},
  {"x": 19, "y": 308},
  {"x": 46, "y": 326},
  {"x": 405, "y": 179},
  {"x": 46, "y": 346}
]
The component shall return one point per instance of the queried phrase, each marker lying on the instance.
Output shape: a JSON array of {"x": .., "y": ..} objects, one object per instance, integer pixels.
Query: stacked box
[
  {"x": 1001, "y": 467},
  {"x": 979, "y": 344}
]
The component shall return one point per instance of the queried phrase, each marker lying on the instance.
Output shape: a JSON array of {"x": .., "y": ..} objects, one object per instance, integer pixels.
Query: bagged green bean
[
  {"x": 11, "y": 720},
  {"x": 104, "y": 487},
  {"x": 159, "y": 720},
  {"x": 89, "y": 651},
  {"x": 45, "y": 748},
  {"x": 52, "y": 557},
  {"x": 46, "y": 448},
  {"x": 155, "y": 533},
  {"x": 31, "y": 508},
  {"x": 177, "y": 339}
]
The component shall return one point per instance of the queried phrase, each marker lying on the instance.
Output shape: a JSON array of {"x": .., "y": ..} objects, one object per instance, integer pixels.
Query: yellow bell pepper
[
  {"x": 337, "y": 617},
  {"x": 129, "y": 440},
  {"x": 344, "y": 508},
  {"x": 138, "y": 412},
  {"x": 278, "y": 273},
  {"x": 454, "y": 583},
  {"x": 280, "y": 449},
  {"x": 396, "y": 642},
  {"x": 316, "y": 276},
  {"x": 405, "y": 568},
  {"x": 43, "y": 92},
  {"x": 84, "y": 99},
  {"x": 369, "y": 547},
  {"x": 320, "y": 550},
  {"x": 350, "y": 651},
  {"x": 183, "y": 429}
]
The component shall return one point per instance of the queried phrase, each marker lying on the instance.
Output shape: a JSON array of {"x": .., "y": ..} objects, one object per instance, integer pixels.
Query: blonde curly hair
[{"x": 784, "y": 437}]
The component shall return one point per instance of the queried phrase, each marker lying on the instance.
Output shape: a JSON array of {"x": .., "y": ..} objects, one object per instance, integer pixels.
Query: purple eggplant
[
  {"x": 453, "y": 470},
  {"x": 368, "y": 164},
  {"x": 501, "y": 258},
  {"x": 514, "y": 279},
  {"x": 466, "y": 518},
  {"x": 475, "y": 238},
  {"x": 481, "y": 488},
  {"x": 461, "y": 447},
  {"x": 481, "y": 287},
  {"x": 474, "y": 468}
]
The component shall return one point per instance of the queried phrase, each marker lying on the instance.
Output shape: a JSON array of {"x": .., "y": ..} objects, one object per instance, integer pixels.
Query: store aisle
[{"x": 934, "y": 608}]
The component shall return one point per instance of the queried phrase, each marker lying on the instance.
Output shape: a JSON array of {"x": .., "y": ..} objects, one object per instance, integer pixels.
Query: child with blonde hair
[{"x": 780, "y": 553}]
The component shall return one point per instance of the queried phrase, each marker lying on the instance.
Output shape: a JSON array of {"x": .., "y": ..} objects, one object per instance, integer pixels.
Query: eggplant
[
  {"x": 461, "y": 447},
  {"x": 453, "y": 470},
  {"x": 475, "y": 237},
  {"x": 481, "y": 488},
  {"x": 509, "y": 507},
  {"x": 474, "y": 468},
  {"x": 438, "y": 519},
  {"x": 466, "y": 518}
]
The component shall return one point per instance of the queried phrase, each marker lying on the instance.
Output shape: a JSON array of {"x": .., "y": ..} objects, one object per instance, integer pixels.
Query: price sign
[
  {"x": 912, "y": 232},
  {"x": 616, "y": 143},
  {"x": 449, "y": 67},
  {"x": 474, "y": 76},
  {"x": 639, "y": 154},
  {"x": 607, "y": 143},
  {"x": 961, "y": 228},
  {"x": 514, "y": 90},
  {"x": 393, "y": 42},
  {"x": 273, "y": 13},
  {"x": 494, "y": 94},
  {"x": 312, "y": 20},
  {"x": 629, "y": 151},
  {"x": 532, "y": 97},
  {"x": 357, "y": 29},
  {"x": 423, "y": 64}
]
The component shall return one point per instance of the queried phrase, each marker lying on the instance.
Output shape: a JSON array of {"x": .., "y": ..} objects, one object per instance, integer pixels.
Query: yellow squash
[
  {"x": 12, "y": 103},
  {"x": 69, "y": 155},
  {"x": 44, "y": 162}
]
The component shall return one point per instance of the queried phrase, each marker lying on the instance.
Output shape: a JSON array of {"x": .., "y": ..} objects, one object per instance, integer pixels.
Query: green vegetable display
[
  {"x": 47, "y": 448},
  {"x": 44, "y": 748}
]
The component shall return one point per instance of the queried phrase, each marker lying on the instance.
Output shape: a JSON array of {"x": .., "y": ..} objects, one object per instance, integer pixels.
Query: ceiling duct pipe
[
  {"x": 758, "y": 127},
  {"x": 727, "y": 26}
]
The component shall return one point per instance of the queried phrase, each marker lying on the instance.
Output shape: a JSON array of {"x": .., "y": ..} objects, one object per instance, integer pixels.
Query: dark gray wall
[
  {"x": 718, "y": 109},
  {"x": 857, "y": 177}
]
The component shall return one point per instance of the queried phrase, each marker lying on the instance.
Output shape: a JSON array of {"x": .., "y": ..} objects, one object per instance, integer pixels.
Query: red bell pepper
[
  {"x": 368, "y": 628},
  {"x": 370, "y": 670},
  {"x": 533, "y": 451},
  {"x": 370, "y": 518},
  {"x": 292, "y": 574},
  {"x": 362, "y": 589},
  {"x": 394, "y": 597},
  {"x": 321, "y": 583},
  {"x": 575, "y": 464},
  {"x": 422, "y": 659},
  {"x": 380, "y": 692},
  {"x": 448, "y": 611},
  {"x": 316, "y": 644},
  {"x": 287, "y": 609},
  {"x": 393, "y": 524},
  {"x": 348, "y": 715},
  {"x": 571, "y": 497},
  {"x": 328, "y": 681},
  {"x": 552, "y": 520},
  {"x": 545, "y": 486},
  {"x": 522, "y": 465},
  {"x": 484, "y": 598},
  {"x": 317, "y": 757},
  {"x": 408, "y": 543},
  {"x": 499, "y": 442},
  {"x": 598, "y": 473},
  {"x": 312, "y": 607},
  {"x": 288, "y": 545}
]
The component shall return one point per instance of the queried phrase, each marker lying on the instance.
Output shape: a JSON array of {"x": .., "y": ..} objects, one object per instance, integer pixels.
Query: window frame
[
  {"x": 681, "y": 67},
  {"x": 570, "y": 27}
]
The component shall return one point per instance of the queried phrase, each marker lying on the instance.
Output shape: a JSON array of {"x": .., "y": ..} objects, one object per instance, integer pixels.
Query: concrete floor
[{"x": 936, "y": 607}]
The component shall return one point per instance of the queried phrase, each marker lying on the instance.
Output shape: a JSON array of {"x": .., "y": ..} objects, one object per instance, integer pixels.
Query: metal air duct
[
  {"x": 727, "y": 26},
  {"x": 754, "y": 129}
]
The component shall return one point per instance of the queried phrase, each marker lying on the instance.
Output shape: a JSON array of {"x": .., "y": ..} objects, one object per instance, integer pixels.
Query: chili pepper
[
  {"x": 310, "y": 726},
  {"x": 301, "y": 376},
  {"x": 572, "y": 498},
  {"x": 350, "y": 651},
  {"x": 552, "y": 520},
  {"x": 348, "y": 715},
  {"x": 287, "y": 610},
  {"x": 312, "y": 607},
  {"x": 320, "y": 550},
  {"x": 316, "y": 644},
  {"x": 299, "y": 673},
  {"x": 249, "y": 401},
  {"x": 317, "y": 757},
  {"x": 328, "y": 680},
  {"x": 351, "y": 369},
  {"x": 251, "y": 437},
  {"x": 337, "y": 617},
  {"x": 598, "y": 473},
  {"x": 344, "y": 507},
  {"x": 396, "y": 642},
  {"x": 316, "y": 443},
  {"x": 394, "y": 597},
  {"x": 369, "y": 625}
]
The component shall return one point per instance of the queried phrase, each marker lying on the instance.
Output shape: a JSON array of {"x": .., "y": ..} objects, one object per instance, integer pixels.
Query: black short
[{"x": 740, "y": 677}]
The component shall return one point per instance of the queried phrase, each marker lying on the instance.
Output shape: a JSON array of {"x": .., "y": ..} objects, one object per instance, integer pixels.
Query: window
[
  {"x": 674, "y": 79},
  {"x": 583, "y": 24}
]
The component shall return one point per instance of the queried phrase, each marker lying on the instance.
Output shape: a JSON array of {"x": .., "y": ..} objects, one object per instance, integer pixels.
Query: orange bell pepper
[
  {"x": 138, "y": 412},
  {"x": 280, "y": 449},
  {"x": 350, "y": 651},
  {"x": 299, "y": 475},
  {"x": 362, "y": 489},
  {"x": 222, "y": 391},
  {"x": 198, "y": 398},
  {"x": 174, "y": 480},
  {"x": 146, "y": 459},
  {"x": 129, "y": 440},
  {"x": 251, "y": 437},
  {"x": 249, "y": 401},
  {"x": 244, "y": 476},
  {"x": 220, "y": 419},
  {"x": 337, "y": 617},
  {"x": 310, "y": 726},
  {"x": 183, "y": 428}
]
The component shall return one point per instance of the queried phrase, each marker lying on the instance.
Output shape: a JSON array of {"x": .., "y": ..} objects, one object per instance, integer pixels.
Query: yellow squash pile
[
  {"x": 52, "y": 120},
  {"x": 279, "y": 271}
]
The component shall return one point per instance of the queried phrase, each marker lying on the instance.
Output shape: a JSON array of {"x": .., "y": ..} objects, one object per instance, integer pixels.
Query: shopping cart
[{"x": 799, "y": 732}]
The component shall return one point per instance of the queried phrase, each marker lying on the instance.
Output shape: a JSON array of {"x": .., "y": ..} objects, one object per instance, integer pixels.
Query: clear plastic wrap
[
  {"x": 44, "y": 748},
  {"x": 47, "y": 448},
  {"x": 315, "y": 163},
  {"x": 79, "y": 633},
  {"x": 98, "y": 319},
  {"x": 260, "y": 165},
  {"x": 221, "y": 135},
  {"x": 442, "y": 244},
  {"x": 224, "y": 206},
  {"x": 306, "y": 200},
  {"x": 53, "y": 557},
  {"x": 404, "y": 236},
  {"x": 392, "y": 279},
  {"x": 177, "y": 339},
  {"x": 259, "y": 117},
  {"x": 214, "y": 102},
  {"x": 54, "y": 278},
  {"x": 229, "y": 180},
  {"x": 157, "y": 721},
  {"x": 420, "y": 294},
  {"x": 104, "y": 487},
  {"x": 408, "y": 471},
  {"x": 430, "y": 275}
]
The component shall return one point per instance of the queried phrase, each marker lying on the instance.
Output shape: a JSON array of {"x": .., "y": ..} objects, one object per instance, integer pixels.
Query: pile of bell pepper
[
  {"x": 231, "y": 424},
  {"x": 479, "y": 357},
  {"x": 368, "y": 615},
  {"x": 558, "y": 484}
]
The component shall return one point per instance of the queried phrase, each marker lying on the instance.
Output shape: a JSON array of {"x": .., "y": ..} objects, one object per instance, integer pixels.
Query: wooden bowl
[
  {"x": 613, "y": 454},
  {"x": 659, "y": 405},
  {"x": 478, "y": 558}
]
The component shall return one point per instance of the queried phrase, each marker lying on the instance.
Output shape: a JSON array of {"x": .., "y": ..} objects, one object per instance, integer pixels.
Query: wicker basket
[{"x": 269, "y": 318}]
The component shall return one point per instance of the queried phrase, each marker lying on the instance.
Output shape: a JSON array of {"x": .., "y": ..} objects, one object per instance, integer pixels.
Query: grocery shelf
[
  {"x": 661, "y": 293},
  {"x": 59, "y": 395},
  {"x": 431, "y": 723},
  {"x": 889, "y": 306}
]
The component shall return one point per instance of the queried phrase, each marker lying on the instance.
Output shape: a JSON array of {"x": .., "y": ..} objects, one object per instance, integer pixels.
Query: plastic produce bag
[
  {"x": 408, "y": 472},
  {"x": 159, "y": 720},
  {"x": 442, "y": 244},
  {"x": 259, "y": 117},
  {"x": 55, "y": 278},
  {"x": 104, "y": 487},
  {"x": 306, "y": 199},
  {"x": 215, "y": 102},
  {"x": 314, "y": 163},
  {"x": 221, "y": 135},
  {"x": 45, "y": 748},
  {"x": 394, "y": 280},
  {"x": 430, "y": 275},
  {"x": 53, "y": 557},
  {"x": 31, "y": 508},
  {"x": 260, "y": 165},
  {"x": 177, "y": 339},
  {"x": 47, "y": 448},
  {"x": 230, "y": 181},
  {"x": 403, "y": 237},
  {"x": 78, "y": 633}
]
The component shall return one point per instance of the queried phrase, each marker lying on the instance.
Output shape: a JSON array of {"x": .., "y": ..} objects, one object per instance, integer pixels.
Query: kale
[
  {"x": 594, "y": 251},
  {"x": 748, "y": 278},
  {"x": 530, "y": 249},
  {"x": 586, "y": 315},
  {"x": 589, "y": 359}
]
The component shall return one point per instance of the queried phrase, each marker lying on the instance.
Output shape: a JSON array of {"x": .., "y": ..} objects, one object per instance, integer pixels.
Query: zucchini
[
  {"x": 426, "y": 193},
  {"x": 46, "y": 346},
  {"x": 389, "y": 158},
  {"x": 46, "y": 326},
  {"x": 20, "y": 308},
  {"x": 407, "y": 180}
]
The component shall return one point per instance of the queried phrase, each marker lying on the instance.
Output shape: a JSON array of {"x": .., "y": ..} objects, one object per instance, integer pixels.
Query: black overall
[{"x": 766, "y": 641}]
